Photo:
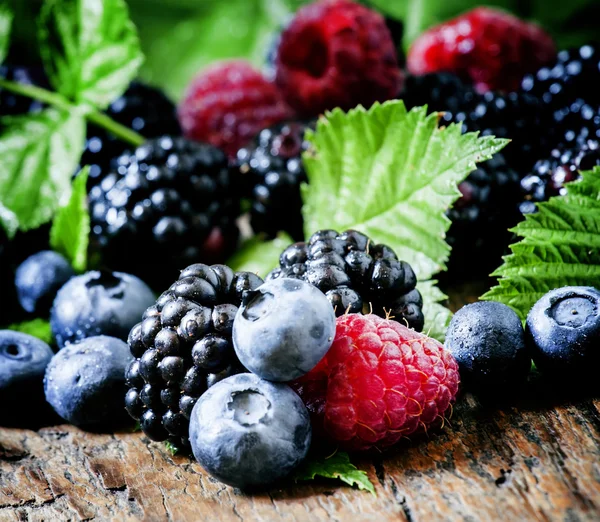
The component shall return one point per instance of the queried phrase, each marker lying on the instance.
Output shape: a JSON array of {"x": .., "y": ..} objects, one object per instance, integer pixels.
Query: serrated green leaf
[
  {"x": 560, "y": 246},
  {"x": 39, "y": 328},
  {"x": 259, "y": 256},
  {"x": 39, "y": 154},
  {"x": 185, "y": 37},
  {"x": 392, "y": 175},
  {"x": 70, "y": 230},
  {"x": 8, "y": 221},
  {"x": 6, "y": 19},
  {"x": 90, "y": 49},
  {"x": 338, "y": 466}
]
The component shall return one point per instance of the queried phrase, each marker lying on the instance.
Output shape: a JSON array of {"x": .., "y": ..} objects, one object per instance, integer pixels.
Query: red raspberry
[
  {"x": 488, "y": 46},
  {"x": 336, "y": 53},
  {"x": 379, "y": 381},
  {"x": 229, "y": 104}
]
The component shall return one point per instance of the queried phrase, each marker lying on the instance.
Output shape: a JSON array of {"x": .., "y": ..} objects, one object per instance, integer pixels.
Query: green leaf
[
  {"x": 392, "y": 175},
  {"x": 184, "y": 37},
  {"x": 437, "y": 317},
  {"x": 70, "y": 230},
  {"x": 39, "y": 154},
  {"x": 173, "y": 450},
  {"x": 8, "y": 221},
  {"x": 90, "y": 49},
  {"x": 338, "y": 466},
  {"x": 6, "y": 18},
  {"x": 259, "y": 256},
  {"x": 560, "y": 247},
  {"x": 39, "y": 328}
]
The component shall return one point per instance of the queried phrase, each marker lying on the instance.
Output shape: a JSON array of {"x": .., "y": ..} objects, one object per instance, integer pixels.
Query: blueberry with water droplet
[
  {"x": 23, "y": 361},
  {"x": 98, "y": 303},
  {"x": 85, "y": 382},
  {"x": 563, "y": 331}
]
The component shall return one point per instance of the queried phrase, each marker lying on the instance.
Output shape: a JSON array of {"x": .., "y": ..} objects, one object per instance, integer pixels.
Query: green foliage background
[{"x": 180, "y": 37}]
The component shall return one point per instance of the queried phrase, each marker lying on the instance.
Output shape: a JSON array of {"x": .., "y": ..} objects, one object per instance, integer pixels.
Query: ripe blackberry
[
  {"x": 549, "y": 175},
  {"x": 182, "y": 346},
  {"x": 12, "y": 104},
  {"x": 272, "y": 172},
  {"x": 167, "y": 205},
  {"x": 574, "y": 74},
  {"x": 576, "y": 123},
  {"x": 481, "y": 218},
  {"x": 355, "y": 275},
  {"x": 516, "y": 116},
  {"x": 142, "y": 108}
]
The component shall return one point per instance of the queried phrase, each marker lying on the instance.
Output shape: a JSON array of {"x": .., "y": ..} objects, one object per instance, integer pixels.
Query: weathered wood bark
[
  {"x": 537, "y": 458},
  {"x": 532, "y": 461}
]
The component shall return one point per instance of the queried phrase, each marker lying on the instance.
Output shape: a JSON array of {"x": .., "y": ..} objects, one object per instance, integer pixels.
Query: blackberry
[
  {"x": 549, "y": 175},
  {"x": 272, "y": 172},
  {"x": 482, "y": 216},
  {"x": 167, "y": 205},
  {"x": 142, "y": 108},
  {"x": 183, "y": 346},
  {"x": 576, "y": 123},
  {"x": 12, "y": 104},
  {"x": 517, "y": 116},
  {"x": 356, "y": 275},
  {"x": 574, "y": 74}
]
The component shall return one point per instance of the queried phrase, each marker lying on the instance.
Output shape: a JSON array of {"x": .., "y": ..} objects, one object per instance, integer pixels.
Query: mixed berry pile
[{"x": 328, "y": 349}]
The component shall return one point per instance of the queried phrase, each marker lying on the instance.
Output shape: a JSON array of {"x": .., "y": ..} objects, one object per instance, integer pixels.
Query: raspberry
[
  {"x": 336, "y": 53},
  {"x": 355, "y": 274},
  {"x": 169, "y": 204},
  {"x": 488, "y": 46},
  {"x": 183, "y": 346},
  {"x": 379, "y": 382},
  {"x": 272, "y": 170},
  {"x": 229, "y": 104}
]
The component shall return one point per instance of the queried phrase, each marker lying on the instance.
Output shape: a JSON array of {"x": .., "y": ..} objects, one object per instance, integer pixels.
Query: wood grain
[{"x": 532, "y": 460}]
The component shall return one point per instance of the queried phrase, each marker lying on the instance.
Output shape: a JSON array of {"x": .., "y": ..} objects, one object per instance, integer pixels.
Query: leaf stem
[{"x": 56, "y": 100}]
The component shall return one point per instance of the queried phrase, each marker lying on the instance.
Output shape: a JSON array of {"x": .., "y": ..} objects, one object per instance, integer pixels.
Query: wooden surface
[{"x": 537, "y": 457}]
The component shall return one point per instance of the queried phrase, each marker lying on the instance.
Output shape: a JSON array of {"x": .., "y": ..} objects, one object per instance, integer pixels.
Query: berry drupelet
[
  {"x": 182, "y": 346},
  {"x": 356, "y": 275},
  {"x": 167, "y": 205},
  {"x": 574, "y": 74},
  {"x": 481, "y": 218},
  {"x": 272, "y": 171},
  {"x": 141, "y": 108},
  {"x": 550, "y": 175}
]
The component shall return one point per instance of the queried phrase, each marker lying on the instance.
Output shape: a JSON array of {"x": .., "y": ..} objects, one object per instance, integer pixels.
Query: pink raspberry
[
  {"x": 489, "y": 47},
  {"x": 229, "y": 104},
  {"x": 336, "y": 53},
  {"x": 380, "y": 381}
]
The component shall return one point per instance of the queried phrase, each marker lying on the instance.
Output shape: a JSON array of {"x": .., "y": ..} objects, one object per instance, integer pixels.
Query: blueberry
[
  {"x": 23, "y": 361},
  {"x": 563, "y": 331},
  {"x": 85, "y": 382},
  {"x": 249, "y": 432},
  {"x": 39, "y": 278},
  {"x": 99, "y": 303},
  {"x": 283, "y": 329},
  {"x": 488, "y": 342}
]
